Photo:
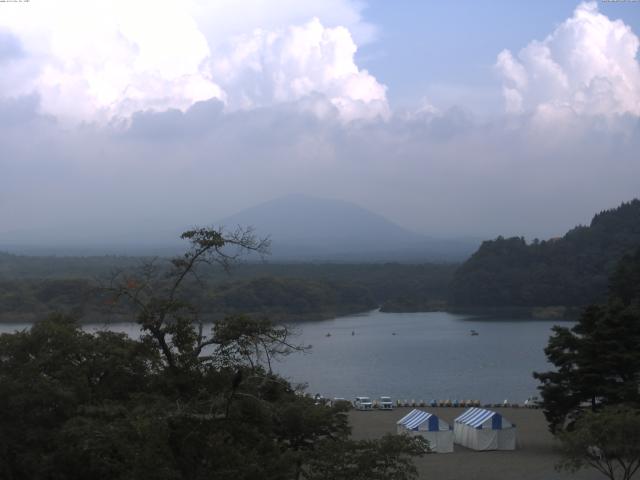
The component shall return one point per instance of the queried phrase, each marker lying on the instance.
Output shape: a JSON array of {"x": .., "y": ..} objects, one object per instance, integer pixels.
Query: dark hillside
[{"x": 570, "y": 271}]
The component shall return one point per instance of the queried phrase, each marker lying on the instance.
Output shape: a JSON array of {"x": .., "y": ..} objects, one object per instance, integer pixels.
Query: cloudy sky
[{"x": 450, "y": 118}]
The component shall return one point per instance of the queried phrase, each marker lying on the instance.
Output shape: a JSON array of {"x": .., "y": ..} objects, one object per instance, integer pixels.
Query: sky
[{"x": 450, "y": 118}]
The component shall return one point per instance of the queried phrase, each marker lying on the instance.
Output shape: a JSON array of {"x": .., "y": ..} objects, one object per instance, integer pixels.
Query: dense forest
[
  {"x": 597, "y": 360},
  {"x": 569, "y": 271},
  {"x": 559, "y": 275},
  {"x": 591, "y": 396},
  {"x": 34, "y": 286},
  {"x": 180, "y": 402}
]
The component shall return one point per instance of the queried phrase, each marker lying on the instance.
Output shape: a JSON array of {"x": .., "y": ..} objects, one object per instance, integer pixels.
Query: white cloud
[
  {"x": 98, "y": 60},
  {"x": 587, "y": 65},
  {"x": 221, "y": 20},
  {"x": 270, "y": 67},
  {"x": 273, "y": 126}
]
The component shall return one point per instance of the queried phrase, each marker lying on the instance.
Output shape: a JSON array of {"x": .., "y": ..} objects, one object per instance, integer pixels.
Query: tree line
[
  {"x": 568, "y": 271},
  {"x": 285, "y": 292}
]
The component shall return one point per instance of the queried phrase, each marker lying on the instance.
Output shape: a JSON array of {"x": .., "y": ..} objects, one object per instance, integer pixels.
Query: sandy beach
[{"x": 534, "y": 458}]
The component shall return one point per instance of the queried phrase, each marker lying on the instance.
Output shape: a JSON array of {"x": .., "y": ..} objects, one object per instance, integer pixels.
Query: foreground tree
[
  {"x": 156, "y": 292},
  {"x": 390, "y": 458},
  {"x": 608, "y": 441},
  {"x": 598, "y": 360},
  {"x": 180, "y": 403}
]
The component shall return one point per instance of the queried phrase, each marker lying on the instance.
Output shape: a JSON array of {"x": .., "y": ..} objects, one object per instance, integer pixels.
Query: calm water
[{"x": 431, "y": 356}]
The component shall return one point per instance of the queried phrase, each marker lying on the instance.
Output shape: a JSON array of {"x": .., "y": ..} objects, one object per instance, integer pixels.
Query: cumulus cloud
[
  {"x": 10, "y": 47},
  {"x": 220, "y": 21},
  {"x": 268, "y": 67},
  {"x": 203, "y": 119},
  {"x": 587, "y": 65},
  {"x": 97, "y": 61},
  {"x": 440, "y": 172}
]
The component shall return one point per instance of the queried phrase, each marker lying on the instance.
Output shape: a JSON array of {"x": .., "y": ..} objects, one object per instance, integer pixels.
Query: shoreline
[{"x": 560, "y": 314}]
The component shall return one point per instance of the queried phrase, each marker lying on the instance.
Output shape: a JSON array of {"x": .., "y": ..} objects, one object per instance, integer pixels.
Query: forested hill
[
  {"x": 33, "y": 287},
  {"x": 569, "y": 271}
]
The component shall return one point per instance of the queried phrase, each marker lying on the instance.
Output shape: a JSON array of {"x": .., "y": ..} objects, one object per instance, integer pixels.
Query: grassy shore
[{"x": 534, "y": 459}]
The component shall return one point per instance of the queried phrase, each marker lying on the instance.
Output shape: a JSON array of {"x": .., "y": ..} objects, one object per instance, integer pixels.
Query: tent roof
[
  {"x": 416, "y": 418},
  {"x": 475, "y": 417}
]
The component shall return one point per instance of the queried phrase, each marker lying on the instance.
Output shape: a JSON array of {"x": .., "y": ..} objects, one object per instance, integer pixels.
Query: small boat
[
  {"x": 474, "y": 333},
  {"x": 328, "y": 335}
]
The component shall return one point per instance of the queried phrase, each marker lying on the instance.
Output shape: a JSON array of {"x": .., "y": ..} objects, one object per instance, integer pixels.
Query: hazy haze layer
[{"x": 112, "y": 130}]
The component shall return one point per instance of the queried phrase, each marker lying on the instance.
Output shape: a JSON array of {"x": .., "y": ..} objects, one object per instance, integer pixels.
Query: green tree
[
  {"x": 55, "y": 374},
  {"x": 180, "y": 403},
  {"x": 389, "y": 458},
  {"x": 569, "y": 271},
  {"x": 597, "y": 361},
  {"x": 608, "y": 441}
]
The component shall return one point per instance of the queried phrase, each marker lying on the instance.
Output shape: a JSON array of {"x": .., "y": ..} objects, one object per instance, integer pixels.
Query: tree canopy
[
  {"x": 608, "y": 441},
  {"x": 33, "y": 287},
  {"x": 597, "y": 361},
  {"x": 178, "y": 403},
  {"x": 568, "y": 271}
]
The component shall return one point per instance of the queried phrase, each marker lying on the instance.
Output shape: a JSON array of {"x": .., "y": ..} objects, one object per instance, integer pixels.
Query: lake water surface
[{"x": 431, "y": 356}]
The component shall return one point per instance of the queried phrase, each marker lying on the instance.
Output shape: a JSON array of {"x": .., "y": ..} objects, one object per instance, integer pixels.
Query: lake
[{"x": 431, "y": 356}]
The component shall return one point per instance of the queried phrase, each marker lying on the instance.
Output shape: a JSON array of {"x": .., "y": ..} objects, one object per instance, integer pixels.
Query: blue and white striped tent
[
  {"x": 436, "y": 431},
  {"x": 481, "y": 429}
]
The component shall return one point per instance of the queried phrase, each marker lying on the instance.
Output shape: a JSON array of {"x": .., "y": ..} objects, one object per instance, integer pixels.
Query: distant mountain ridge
[
  {"x": 312, "y": 220},
  {"x": 569, "y": 271},
  {"x": 309, "y": 228},
  {"x": 302, "y": 229}
]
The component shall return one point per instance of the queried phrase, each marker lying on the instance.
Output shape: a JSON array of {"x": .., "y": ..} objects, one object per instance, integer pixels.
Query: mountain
[
  {"x": 568, "y": 271},
  {"x": 308, "y": 228},
  {"x": 302, "y": 228}
]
